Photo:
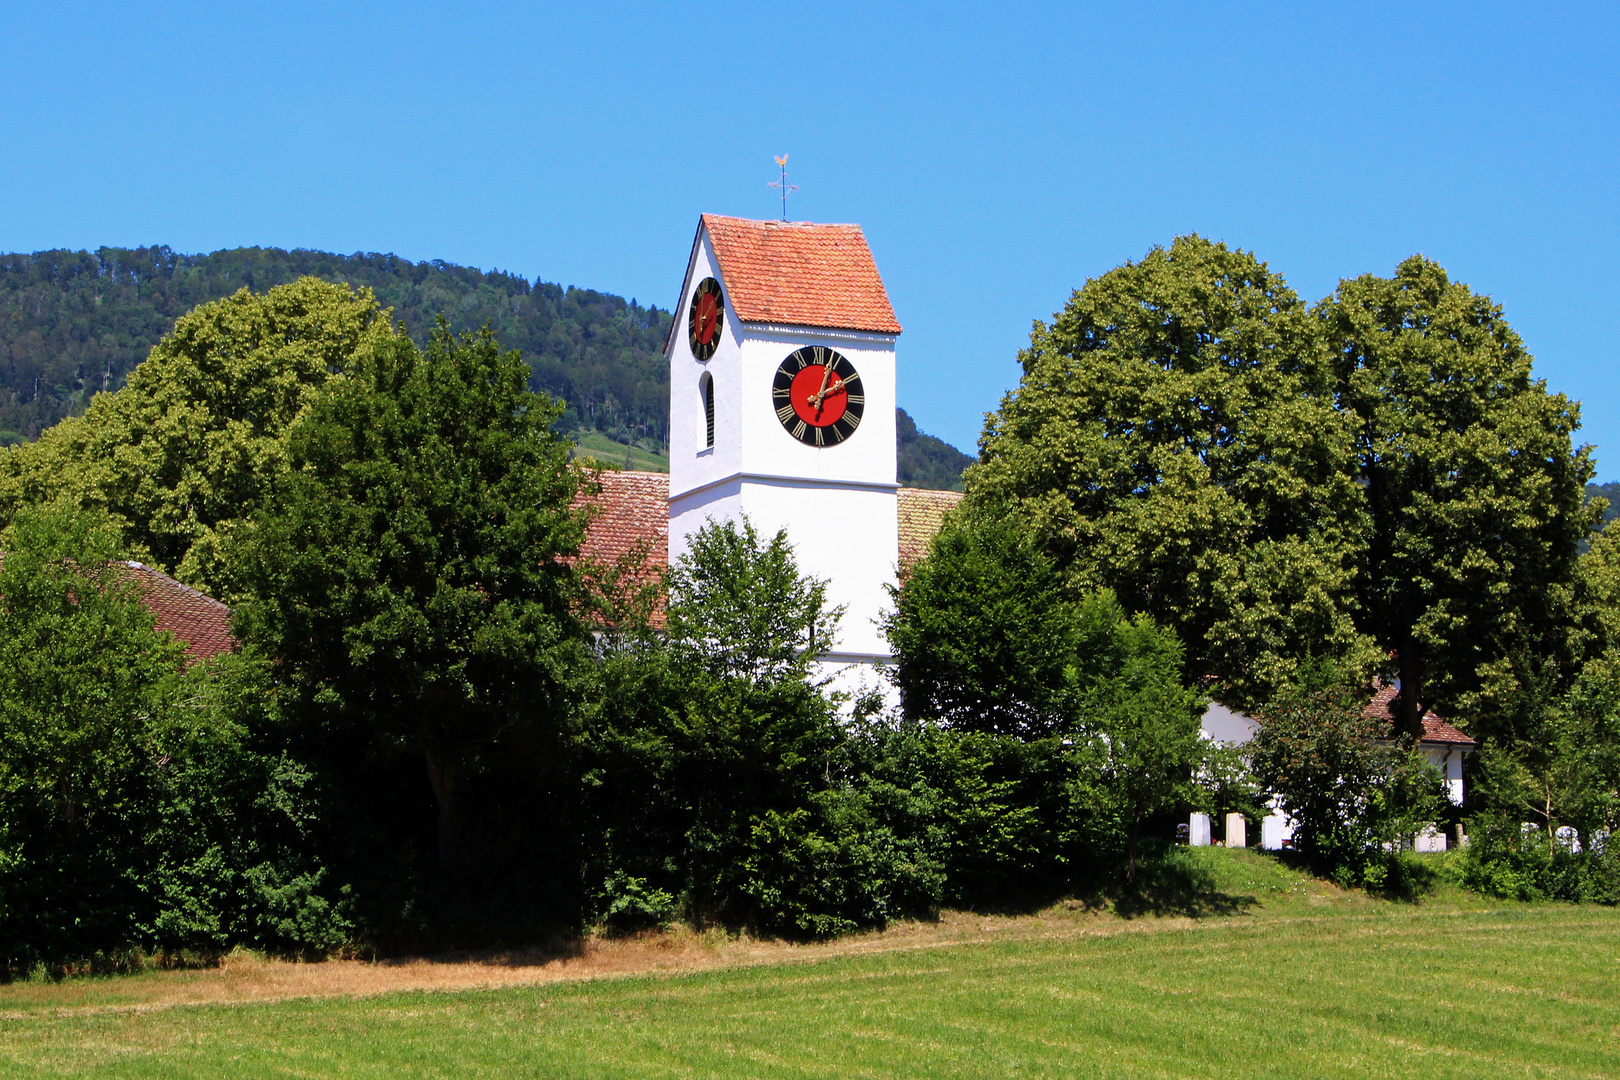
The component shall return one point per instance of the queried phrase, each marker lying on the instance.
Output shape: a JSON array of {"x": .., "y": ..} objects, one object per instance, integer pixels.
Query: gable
[{"x": 799, "y": 274}]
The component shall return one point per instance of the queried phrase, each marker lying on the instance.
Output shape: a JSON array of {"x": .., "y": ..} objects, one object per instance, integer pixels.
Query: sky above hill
[{"x": 997, "y": 155}]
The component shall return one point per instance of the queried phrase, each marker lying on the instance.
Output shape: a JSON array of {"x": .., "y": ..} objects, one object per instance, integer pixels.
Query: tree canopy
[
  {"x": 411, "y": 576},
  {"x": 193, "y": 443},
  {"x": 1473, "y": 489},
  {"x": 1174, "y": 438}
]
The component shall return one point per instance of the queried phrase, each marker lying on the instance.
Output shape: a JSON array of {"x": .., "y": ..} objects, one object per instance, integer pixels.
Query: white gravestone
[{"x": 1235, "y": 831}]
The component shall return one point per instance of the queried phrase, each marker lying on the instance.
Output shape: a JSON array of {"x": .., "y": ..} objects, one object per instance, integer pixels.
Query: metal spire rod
[{"x": 783, "y": 184}]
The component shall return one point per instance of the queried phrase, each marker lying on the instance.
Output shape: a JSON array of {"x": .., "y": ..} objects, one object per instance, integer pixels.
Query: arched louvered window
[{"x": 706, "y": 387}]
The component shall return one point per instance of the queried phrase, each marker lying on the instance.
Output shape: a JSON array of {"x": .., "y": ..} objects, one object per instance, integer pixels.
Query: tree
[
  {"x": 83, "y": 673},
  {"x": 410, "y": 575},
  {"x": 983, "y": 632},
  {"x": 1174, "y": 438},
  {"x": 1474, "y": 491},
  {"x": 1349, "y": 790},
  {"x": 1146, "y": 726},
  {"x": 143, "y": 806},
  {"x": 195, "y": 440}
]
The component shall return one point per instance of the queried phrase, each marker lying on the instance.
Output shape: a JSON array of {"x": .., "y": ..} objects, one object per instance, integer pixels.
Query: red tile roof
[
  {"x": 921, "y": 512},
  {"x": 629, "y": 533},
  {"x": 800, "y": 273},
  {"x": 1435, "y": 730},
  {"x": 630, "y": 512},
  {"x": 202, "y": 622}
]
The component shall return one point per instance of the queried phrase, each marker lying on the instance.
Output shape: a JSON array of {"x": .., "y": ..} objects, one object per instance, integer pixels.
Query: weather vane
[{"x": 783, "y": 184}]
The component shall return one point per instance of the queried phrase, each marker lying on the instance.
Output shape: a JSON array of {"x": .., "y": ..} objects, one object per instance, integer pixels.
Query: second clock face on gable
[
  {"x": 706, "y": 318},
  {"x": 817, "y": 396}
]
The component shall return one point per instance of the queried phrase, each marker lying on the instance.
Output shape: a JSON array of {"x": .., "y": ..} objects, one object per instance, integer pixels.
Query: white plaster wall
[
  {"x": 858, "y": 676},
  {"x": 1227, "y": 725},
  {"x": 868, "y": 455},
  {"x": 690, "y": 464},
  {"x": 689, "y": 513},
  {"x": 1448, "y": 759},
  {"x": 847, "y": 536}
]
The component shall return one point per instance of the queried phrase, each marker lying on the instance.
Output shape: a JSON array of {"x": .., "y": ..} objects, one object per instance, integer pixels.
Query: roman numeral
[
  {"x": 784, "y": 412},
  {"x": 798, "y": 430},
  {"x": 857, "y": 399},
  {"x": 854, "y": 421},
  {"x": 821, "y": 439}
]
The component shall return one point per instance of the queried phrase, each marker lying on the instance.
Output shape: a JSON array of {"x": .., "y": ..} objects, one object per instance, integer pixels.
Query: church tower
[{"x": 782, "y": 407}]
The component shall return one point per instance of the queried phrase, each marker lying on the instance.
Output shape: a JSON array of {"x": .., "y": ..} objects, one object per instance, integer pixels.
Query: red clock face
[
  {"x": 705, "y": 319},
  {"x": 818, "y": 396}
]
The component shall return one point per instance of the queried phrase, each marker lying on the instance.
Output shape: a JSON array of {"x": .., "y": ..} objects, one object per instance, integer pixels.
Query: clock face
[
  {"x": 707, "y": 316},
  {"x": 818, "y": 396}
]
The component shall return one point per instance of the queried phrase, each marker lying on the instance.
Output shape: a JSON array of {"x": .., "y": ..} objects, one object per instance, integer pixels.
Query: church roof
[
  {"x": 921, "y": 513},
  {"x": 1435, "y": 730},
  {"x": 800, "y": 273},
  {"x": 192, "y": 617}
]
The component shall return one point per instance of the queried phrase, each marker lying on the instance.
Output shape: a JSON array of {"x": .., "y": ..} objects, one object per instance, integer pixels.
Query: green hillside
[{"x": 76, "y": 322}]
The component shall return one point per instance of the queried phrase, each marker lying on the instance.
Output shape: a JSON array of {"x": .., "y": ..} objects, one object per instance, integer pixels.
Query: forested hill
[{"x": 75, "y": 322}]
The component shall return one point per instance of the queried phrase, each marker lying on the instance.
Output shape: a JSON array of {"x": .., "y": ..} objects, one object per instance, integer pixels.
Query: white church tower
[{"x": 782, "y": 407}]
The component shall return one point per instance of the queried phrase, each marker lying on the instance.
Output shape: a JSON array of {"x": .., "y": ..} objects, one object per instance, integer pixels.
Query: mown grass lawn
[{"x": 1291, "y": 989}]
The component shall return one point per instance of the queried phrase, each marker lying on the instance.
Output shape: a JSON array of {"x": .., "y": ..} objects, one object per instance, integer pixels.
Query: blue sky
[{"x": 998, "y": 155}]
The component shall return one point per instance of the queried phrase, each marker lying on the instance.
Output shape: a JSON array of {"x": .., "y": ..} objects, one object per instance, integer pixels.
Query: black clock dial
[
  {"x": 818, "y": 396},
  {"x": 705, "y": 319}
]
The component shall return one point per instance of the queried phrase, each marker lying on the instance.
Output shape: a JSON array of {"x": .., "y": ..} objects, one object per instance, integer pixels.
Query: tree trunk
[
  {"x": 1411, "y": 715},
  {"x": 444, "y": 780}
]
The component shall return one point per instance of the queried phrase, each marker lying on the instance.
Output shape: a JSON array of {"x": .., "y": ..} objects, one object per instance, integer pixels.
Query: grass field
[
  {"x": 1304, "y": 982},
  {"x": 618, "y": 455}
]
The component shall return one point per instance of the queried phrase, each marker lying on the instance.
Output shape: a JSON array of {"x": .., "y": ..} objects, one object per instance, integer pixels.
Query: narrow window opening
[{"x": 708, "y": 411}]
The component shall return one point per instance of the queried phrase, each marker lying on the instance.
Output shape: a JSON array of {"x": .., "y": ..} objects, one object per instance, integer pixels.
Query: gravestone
[
  {"x": 1236, "y": 827},
  {"x": 1198, "y": 830}
]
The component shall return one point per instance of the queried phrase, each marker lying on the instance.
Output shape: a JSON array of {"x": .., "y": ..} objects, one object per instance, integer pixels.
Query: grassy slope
[
  {"x": 617, "y": 455},
  {"x": 1308, "y": 982}
]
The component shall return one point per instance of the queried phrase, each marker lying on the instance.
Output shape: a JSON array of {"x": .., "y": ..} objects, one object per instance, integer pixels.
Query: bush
[{"x": 1504, "y": 860}]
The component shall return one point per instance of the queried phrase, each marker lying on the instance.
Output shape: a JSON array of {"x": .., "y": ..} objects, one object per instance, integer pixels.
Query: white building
[
  {"x": 782, "y": 408},
  {"x": 1442, "y": 743}
]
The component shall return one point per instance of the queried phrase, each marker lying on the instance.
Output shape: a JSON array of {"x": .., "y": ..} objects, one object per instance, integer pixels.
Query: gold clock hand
[{"x": 826, "y": 373}]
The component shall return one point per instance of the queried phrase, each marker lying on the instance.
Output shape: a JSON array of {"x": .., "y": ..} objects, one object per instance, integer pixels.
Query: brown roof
[
  {"x": 197, "y": 619},
  {"x": 921, "y": 512},
  {"x": 1435, "y": 730},
  {"x": 800, "y": 273},
  {"x": 632, "y": 510}
]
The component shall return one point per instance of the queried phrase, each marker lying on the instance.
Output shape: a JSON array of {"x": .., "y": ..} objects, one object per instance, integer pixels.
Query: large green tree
[
  {"x": 411, "y": 576},
  {"x": 1473, "y": 488},
  {"x": 983, "y": 632},
  {"x": 1174, "y": 438},
  {"x": 194, "y": 441},
  {"x": 143, "y": 806},
  {"x": 1146, "y": 723}
]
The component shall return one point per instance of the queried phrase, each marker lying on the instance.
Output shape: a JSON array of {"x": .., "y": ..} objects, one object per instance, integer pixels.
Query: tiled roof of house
[
  {"x": 800, "y": 273},
  {"x": 1435, "y": 730},
  {"x": 631, "y": 514},
  {"x": 629, "y": 531},
  {"x": 921, "y": 513},
  {"x": 197, "y": 619}
]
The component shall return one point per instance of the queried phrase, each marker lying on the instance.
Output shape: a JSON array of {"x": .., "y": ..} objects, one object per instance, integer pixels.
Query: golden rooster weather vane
[{"x": 783, "y": 184}]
